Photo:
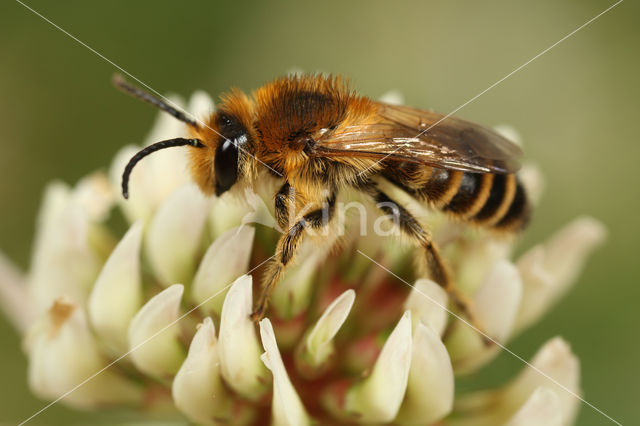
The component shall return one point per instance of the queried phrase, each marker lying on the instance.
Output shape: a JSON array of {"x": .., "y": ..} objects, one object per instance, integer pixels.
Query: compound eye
[{"x": 226, "y": 165}]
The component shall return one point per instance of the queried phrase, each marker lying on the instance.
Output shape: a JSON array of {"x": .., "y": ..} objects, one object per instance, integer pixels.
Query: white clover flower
[{"x": 168, "y": 305}]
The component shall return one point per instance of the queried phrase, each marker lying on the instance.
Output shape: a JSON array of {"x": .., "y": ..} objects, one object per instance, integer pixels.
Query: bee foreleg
[
  {"x": 282, "y": 201},
  {"x": 410, "y": 226},
  {"x": 287, "y": 248}
]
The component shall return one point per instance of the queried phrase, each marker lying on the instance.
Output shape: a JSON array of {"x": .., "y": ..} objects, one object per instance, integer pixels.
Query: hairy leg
[
  {"x": 288, "y": 245},
  {"x": 435, "y": 264}
]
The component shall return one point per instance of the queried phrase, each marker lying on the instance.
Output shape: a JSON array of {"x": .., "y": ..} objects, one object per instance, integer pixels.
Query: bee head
[
  {"x": 217, "y": 146},
  {"x": 225, "y": 139}
]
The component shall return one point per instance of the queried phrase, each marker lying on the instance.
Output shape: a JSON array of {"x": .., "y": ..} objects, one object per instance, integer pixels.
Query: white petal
[
  {"x": 509, "y": 132},
  {"x": 142, "y": 200},
  {"x": 477, "y": 259},
  {"x": 496, "y": 306},
  {"x": 117, "y": 293},
  {"x": 428, "y": 304},
  {"x": 168, "y": 169},
  {"x": 238, "y": 344},
  {"x": 287, "y": 408},
  {"x": 157, "y": 176},
  {"x": 95, "y": 195},
  {"x": 63, "y": 262},
  {"x": 153, "y": 334},
  {"x": 225, "y": 260},
  {"x": 165, "y": 126},
  {"x": 378, "y": 397},
  {"x": 227, "y": 211},
  {"x": 554, "y": 367},
  {"x": 567, "y": 251},
  {"x": 430, "y": 389},
  {"x": 175, "y": 235},
  {"x": 197, "y": 388},
  {"x": 537, "y": 287},
  {"x": 548, "y": 271},
  {"x": 393, "y": 97},
  {"x": 542, "y": 408},
  {"x": 498, "y": 301},
  {"x": 319, "y": 341},
  {"x": 201, "y": 105},
  {"x": 557, "y": 368},
  {"x": 293, "y": 293},
  {"x": 63, "y": 356},
  {"x": 533, "y": 181},
  {"x": 256, "y": 209},
  {"x": 14, "y": 300}
]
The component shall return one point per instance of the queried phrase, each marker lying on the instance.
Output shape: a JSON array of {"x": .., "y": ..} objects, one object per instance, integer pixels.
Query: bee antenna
[
  {"x": 120, "y": 83},
  {"x": 150, "y": 149}
]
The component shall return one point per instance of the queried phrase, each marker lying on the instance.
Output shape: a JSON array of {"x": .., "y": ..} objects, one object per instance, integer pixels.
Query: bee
[{"x": 319, "y": 137}]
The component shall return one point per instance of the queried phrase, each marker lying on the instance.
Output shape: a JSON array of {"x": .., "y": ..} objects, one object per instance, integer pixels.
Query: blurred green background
[{"x": 577, "y": 108}]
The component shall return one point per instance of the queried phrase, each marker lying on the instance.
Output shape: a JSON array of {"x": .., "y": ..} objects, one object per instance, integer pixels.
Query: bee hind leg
[{"x": 409, "y": 225}]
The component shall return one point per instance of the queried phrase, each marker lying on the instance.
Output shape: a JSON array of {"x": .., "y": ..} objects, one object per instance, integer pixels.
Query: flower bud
[
  {"x": 175, "y": 235},
  {"x": 548, "y": 270},
  {"x": 287, "y": 409},
  {"x": 117, "y": 293},
  {"x": 318, "y": 345},
  {"x": 63, "y": 262},
  {"x": 153, "y": 180},
  {"x": 65, "y": 362},
  {"x": 238, "y": 344},
  {"x": 430, "y": 389},
  {"x": 378, "y": 397},
  {"x": 197, "y": 388},
  {"x": 428, "y": 305},
  {"x": 153, "y": 335},
  {"x": 224, "y": 261},
  {"x": 495, "y": 306},
  {"x": 542, "y": 408}
]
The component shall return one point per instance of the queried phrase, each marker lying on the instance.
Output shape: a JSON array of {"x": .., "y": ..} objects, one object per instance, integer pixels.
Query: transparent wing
[{"x": 408, "y": 134}]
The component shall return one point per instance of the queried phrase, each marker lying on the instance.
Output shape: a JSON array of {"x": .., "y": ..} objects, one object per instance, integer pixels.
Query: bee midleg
[
  {"x": 287, "y": 248},
  {"x": 410, "y": 226}
]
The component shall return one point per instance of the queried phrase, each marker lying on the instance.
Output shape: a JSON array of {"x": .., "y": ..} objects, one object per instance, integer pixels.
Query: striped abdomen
[{"x": 498, "y": 201}]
